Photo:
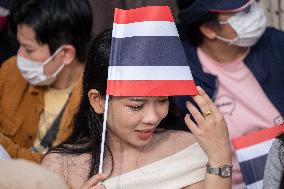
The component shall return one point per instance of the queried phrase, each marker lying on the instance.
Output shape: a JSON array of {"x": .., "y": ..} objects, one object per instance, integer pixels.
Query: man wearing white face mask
[
  {"x": 40, "y": 87},
  {"x": 238, "y": 61}
]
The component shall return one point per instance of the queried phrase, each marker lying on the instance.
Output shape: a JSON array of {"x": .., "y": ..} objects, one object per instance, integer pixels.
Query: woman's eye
[
  {"x": 136, "y": 107},
  {"x": 164, "y": 100}
]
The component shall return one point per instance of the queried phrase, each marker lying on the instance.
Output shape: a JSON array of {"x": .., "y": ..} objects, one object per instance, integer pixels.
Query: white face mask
[
  {"x": 248, "y": 26},
  {"x": 33, "y": 71}
]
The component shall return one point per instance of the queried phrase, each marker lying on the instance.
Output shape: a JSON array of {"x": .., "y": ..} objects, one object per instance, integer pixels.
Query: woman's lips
[{"x": 144, "y": 134}]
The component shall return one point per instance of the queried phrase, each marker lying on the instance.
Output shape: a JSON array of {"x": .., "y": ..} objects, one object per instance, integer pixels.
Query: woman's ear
[
  {"x": 96, "y": 101},
  {"x": 208, "y": 31}
]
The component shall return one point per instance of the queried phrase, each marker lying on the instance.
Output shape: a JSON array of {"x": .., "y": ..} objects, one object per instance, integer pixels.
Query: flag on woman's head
[{"x": 147, "y": 57}]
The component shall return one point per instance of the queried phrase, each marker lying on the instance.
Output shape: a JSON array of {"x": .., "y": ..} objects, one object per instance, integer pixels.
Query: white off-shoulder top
[{"x": 182, "y": 169}]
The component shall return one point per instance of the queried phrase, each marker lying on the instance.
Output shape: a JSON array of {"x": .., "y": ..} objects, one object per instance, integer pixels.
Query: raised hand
[{"x": 211, "y": 130}]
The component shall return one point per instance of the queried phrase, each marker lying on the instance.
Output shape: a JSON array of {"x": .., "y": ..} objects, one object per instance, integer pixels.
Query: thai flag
[
  {"x": 252, "y": 151},
  {"x": 147, "y": 57}
]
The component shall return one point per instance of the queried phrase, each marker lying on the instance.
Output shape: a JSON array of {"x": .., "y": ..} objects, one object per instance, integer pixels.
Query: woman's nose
[{"x": 151, "y": 116}]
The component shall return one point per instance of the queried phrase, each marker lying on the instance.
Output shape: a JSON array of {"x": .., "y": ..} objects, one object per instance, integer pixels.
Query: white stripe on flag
[
  {"x": 147, "y": 28},
  {"x": 256, "y": 185},
  {"x": 149, "y": 73},
  {"x": 254, "y": 151}
]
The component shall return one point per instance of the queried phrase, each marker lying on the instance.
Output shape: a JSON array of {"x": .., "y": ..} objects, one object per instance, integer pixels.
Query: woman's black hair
[
  {"x": 192, "y": 31},
  {"x": 56, "y": 22},
  {"x": 86, "y": 135}
]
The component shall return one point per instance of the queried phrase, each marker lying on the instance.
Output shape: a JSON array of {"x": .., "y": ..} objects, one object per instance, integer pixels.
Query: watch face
[{"x": 226, "y": 171}]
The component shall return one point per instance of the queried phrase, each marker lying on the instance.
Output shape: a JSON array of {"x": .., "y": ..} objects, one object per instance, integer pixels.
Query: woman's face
[{"x": 132, "y": 120}]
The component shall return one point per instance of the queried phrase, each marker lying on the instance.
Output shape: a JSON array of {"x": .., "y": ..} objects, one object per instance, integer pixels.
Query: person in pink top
[{"x": 238, "y": 61}]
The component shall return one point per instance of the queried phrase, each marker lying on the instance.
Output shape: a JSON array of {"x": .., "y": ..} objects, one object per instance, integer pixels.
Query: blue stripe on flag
[
  {"x": 253, "y": 170},
  {"x": 148, "y": 51}
]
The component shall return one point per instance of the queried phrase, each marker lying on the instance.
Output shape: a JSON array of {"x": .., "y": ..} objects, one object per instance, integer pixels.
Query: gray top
[{"x": 274, "y": 166}]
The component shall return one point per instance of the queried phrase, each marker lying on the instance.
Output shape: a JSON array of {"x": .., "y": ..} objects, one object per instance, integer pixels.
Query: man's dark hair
[
  {"x": 192, "y": 30},
  {"x": 57, "y": 22}
]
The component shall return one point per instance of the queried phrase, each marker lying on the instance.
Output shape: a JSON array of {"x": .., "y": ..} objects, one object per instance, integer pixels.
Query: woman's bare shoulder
[
  {"x": 64, "y": 164},
  {"x": 180, "y": 139},
  {"x": 55, "y": 162},
  {"x": 183, "y": 139}
]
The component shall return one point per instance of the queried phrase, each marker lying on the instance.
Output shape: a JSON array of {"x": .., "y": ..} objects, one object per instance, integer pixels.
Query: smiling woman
[
  {"x": 140, "y": 152},
  {"x": 140, "y": 116}
]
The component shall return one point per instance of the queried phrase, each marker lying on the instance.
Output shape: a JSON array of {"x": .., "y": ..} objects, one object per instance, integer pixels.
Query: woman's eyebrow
[{"x": 137, "y": 99}]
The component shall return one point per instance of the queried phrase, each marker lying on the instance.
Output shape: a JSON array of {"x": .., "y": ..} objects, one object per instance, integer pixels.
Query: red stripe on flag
[
  {"x": 257, "y": 137},
  {"x": 151, "y": 13},
  {"x": 151, "y": 88}
]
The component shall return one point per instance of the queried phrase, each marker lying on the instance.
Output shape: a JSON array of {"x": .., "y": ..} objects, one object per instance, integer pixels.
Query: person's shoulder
[
  {"x": 180, "y": 139},
  {"x": 272, "y": 30},
  {"x": 54, "y": 162},
  {"x": 272, "y": 36},
  {"x": 183, "y": 139},
  {"x": 63, "y": 164},
  {"x": 9, "y": 68},
  {"x": 54, "y": 158},
  {"x": 9, "y": 64},
  {"x": 276, "y": 155},
  {"x": 274, "y": 165},
  {"x": 26, "y": 174},
  {"x": 277, "y": 147},
  {"x": 187, "y": 147}
]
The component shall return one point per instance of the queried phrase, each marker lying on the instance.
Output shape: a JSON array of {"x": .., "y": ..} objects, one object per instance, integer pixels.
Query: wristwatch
[{"x": 224, "y": 171}]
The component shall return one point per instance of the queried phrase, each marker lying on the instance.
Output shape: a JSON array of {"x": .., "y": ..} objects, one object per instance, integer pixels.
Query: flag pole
[{"x": 103, "y": 137}]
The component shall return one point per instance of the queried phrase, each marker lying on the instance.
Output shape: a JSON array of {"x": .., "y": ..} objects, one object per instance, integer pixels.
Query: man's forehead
[
  {"x": 25, "y": 33},
  {"x": 26, "y": 36}
]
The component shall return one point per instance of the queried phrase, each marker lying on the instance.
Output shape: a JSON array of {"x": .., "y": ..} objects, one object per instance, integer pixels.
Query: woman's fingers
[
  {"x": 210, "y": 104},
  {"x": 201, "y": 102},
  {"x": 209, "y": 111},
  {"x": 211, "y": 132},
  {"x": 196, "y": 114},
  {"x": 94, "y": 181},
  {"x": 190, "y": 124}
]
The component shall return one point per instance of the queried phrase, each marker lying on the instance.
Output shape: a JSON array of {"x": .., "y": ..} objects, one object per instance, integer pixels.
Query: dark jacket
[{"x": 265, "y": 60}]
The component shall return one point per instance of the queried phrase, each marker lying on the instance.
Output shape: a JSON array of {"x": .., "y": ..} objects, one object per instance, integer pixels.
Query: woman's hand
[
  {"x": 211, "y": 132},
  {"x": 93, "y": 182}
]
